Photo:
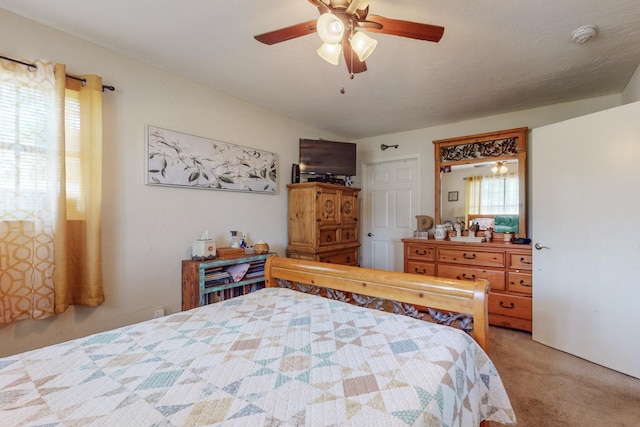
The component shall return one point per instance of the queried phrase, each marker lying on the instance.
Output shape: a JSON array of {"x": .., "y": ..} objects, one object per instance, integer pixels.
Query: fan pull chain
[{"x": 351, "y": 48}]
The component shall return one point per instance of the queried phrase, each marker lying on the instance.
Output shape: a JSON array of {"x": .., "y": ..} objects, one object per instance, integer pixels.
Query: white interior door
[
  {"x": 585, "y": 195},
  {"x": 390, "y": 200}
]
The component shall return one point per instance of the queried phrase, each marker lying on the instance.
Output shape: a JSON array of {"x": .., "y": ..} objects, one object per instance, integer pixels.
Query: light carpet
[{"x": 548, "y": 387}]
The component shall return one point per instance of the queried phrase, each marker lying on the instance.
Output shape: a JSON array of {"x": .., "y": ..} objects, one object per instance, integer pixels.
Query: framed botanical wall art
[{"x": 182, "y": 160}]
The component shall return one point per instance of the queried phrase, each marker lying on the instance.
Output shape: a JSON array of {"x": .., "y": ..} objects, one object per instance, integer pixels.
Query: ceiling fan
[{"x": 342, "y": 25}]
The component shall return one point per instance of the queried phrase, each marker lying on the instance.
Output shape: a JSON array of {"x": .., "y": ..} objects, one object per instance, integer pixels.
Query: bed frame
[{"x": 459, "y": 296}]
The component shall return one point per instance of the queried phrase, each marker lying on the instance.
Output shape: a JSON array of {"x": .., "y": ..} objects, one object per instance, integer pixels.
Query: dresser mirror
[{"x": 482, "y": 179}]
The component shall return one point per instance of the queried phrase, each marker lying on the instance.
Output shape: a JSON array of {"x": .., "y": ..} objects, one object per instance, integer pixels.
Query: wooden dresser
[
  {"x": 507, "y": 266},
  {"x": 323, "y": 223}
]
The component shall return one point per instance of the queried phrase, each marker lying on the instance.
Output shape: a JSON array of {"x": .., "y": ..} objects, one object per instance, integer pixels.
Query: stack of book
[
  {"x": 218, "y": 277},
  {"x": 256, "y": 269}
]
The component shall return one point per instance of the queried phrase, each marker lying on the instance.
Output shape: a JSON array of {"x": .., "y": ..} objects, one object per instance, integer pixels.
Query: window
[
  {"x": 493, "y": 195},
  {"x": 50, "y": 234},
  {"x": 499, "y": 195},
  {"x": 24, "y": 148}
]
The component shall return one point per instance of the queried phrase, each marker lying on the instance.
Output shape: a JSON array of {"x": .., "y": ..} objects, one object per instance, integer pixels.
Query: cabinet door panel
[
  {"x": 348, "y": 207},
  {"x": 328, "y": 207}
]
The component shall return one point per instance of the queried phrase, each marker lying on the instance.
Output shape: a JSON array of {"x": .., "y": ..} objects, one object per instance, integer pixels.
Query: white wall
[
  {"x": 420, "y": 140},
  {"x": 148, "y": 230},
  {"x": 631, "y": 93}
]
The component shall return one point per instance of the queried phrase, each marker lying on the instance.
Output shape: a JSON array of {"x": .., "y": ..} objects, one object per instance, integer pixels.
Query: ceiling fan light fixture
[
  {"x": 330, "y": 52},
  {"x": 500, "y": 168},
  {"x": 330, "y": 28},
  {"x": 363, "y": 45}
]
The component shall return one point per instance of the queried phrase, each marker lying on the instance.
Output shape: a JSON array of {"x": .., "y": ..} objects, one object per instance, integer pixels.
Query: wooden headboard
[{"x": 460, "y": 296}]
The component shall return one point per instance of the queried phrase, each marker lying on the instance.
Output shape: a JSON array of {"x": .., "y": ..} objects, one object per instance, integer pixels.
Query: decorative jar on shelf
[
  {"x": 441, "y": 232},
  {"x": 261, "y": 248},
  {"x": 235, "y": 240}
]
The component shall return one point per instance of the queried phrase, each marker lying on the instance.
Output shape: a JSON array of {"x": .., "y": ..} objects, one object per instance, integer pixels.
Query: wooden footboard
[{"x": 458, "y": 296}]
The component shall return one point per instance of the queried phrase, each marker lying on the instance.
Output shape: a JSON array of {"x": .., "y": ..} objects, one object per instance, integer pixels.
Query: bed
[{"x": 274, "y": 357}]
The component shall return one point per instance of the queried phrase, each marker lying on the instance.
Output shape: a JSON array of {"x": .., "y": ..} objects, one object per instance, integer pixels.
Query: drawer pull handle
[
  {"x": 510, "y": 306},
  {"x": 421, "y": 253},
  {"x": 525, "y": 284},
  {"x": 464, "y": 276},
  {"x": 524, "y": 261},
  {"x": 424, "y": 271},
  {"x": 348, "y": 236},
  {"x": 464, "y": 255},
  {"x": 348, "y": 260},
  {"x": 328, "y": 238}
]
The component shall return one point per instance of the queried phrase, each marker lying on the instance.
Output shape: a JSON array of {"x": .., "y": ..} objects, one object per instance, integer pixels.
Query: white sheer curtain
[{"x": 29, "y": 184}]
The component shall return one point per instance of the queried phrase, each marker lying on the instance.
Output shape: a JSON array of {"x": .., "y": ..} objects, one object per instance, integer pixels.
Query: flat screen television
[{"x": 321, "y": 157}]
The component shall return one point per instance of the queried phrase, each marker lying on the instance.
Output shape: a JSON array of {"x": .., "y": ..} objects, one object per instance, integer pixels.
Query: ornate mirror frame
[{"x": 496, "y": 146}]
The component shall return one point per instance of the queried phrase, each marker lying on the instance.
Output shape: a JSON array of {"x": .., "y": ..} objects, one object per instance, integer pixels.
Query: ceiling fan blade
[
  {"x": 322, "y": 6},
  {"x": 354, "y": 65},
  {"x": 287, "y": 33},
  {"x": 412, "y": 30}
]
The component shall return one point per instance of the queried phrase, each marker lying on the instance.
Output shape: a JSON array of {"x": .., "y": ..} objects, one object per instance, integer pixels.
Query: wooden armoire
[{"x": 323, "y": 223}]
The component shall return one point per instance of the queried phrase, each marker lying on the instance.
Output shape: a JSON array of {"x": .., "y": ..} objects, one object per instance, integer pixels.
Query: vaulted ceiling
[{"x": 495, "y": 56}]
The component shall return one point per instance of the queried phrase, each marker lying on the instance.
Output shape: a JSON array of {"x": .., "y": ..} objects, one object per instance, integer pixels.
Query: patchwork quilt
[{"x": 275, "y": 357}]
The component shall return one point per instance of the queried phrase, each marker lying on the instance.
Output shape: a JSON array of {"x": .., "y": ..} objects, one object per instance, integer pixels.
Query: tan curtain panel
[
  {"x": 473, "y": 199},
  {"x": 78, "y": 274}
]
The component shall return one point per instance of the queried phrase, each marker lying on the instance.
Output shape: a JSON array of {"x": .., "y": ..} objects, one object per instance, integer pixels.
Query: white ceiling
[{"x": 495, "y": 56}]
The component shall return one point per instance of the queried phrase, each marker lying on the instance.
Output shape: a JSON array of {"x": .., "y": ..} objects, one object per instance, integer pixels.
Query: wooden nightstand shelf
[{"x": 205, "y": 282}]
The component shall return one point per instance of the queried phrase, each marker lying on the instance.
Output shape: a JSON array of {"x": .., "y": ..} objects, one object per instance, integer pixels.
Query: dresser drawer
[
  {"x": 520, "y": 261},
  {"x": 349, "y": 257},
  {"x": 521, "y": 283},
  {"x": 328, "y": 236},
  {"x": 348, "y": 234},
  {"x": 510, "y": 305},
  {"x": 420, "y": 252},
  {"x": 428, "y": 269},
  {"x": 495, "y": 277},
  {"x": 471, "y": 257}
]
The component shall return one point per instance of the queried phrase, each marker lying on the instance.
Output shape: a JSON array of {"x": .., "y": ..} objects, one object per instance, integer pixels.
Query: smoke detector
[{"x": 584, "y": 34}]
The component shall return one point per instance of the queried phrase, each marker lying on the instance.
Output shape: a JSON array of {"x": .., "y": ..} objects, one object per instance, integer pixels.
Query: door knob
[
  {"x": 370, "y": 234},
  {"x": 538, "y": 246}
]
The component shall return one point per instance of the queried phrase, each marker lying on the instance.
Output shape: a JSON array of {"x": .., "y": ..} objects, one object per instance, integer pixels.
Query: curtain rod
[{"x": 80, "y": 79}]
